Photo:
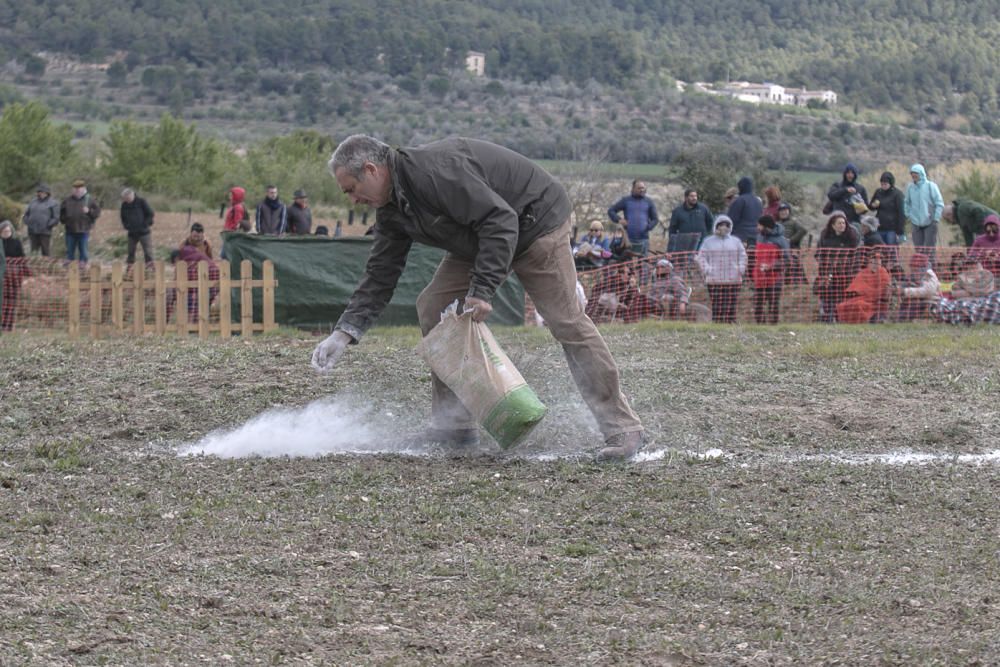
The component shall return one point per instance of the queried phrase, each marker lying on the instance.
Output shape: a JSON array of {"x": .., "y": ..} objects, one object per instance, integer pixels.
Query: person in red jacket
[
  {"x": 770, "y": 259},
  {"x": 237, "y": 218}
]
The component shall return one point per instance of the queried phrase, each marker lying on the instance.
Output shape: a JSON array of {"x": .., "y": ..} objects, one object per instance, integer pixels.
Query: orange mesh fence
[
  {"x": 47, "y": 293},
  {"x": 834, "y": 285}
]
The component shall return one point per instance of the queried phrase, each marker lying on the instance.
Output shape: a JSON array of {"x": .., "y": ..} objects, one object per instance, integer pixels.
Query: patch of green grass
[{"x": 64, "y": 455}]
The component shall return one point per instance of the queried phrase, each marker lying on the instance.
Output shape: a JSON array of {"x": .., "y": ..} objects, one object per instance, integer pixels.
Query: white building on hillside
[{"x": 475, "y": 62}]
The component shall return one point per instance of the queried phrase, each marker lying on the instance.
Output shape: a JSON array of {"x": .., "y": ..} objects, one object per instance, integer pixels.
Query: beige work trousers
[{"x": 548, "y": 274}]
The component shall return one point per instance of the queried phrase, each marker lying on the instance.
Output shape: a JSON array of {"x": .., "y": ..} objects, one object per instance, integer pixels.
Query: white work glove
[{"x": 330, "y": 350}]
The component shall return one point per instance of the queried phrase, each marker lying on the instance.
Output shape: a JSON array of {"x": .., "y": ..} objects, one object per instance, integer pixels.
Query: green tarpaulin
[{"x": 317, "y": 275}]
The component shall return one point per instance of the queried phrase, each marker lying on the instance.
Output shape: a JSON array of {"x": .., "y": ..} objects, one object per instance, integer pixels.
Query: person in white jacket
[
  {"x": 920, "y": 290},
  {"x": 723, "y": 261}
]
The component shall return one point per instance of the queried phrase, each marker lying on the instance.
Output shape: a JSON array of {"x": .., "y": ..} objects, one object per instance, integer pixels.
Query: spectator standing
[
  {"x": 272, "y": 215},
  {"x": 137, "y": 219},
  {"x": 690, "y": 223},
  {"x": 300, "y": 217},
  {"x": 196, "y": 239},
  {"x": 973, "y": 280},
  {"x": 923, "y": 206},
  {"x": 835, "y": 256},
  {"x": 744, "y": 212},
  {"x": 969, "y": 216},
  {"x": 887, "y": 202},
  {"x": 495, "y": 212},
  {"x": 849, "y": 196},
  {"x": 772, "y": 200},
  {"x": 237, "y": 218},
  {"x": 771, "y": 256},
  {"x": 723, "y": 261},
  {"x": 40, "y": 216},
  {"x": 78, "y": 213},
  {"x": 794, "y": 231},
  {"x": 727, "y": 200},
  {"x": 17, "y": 270},
  {"x": 639, "y": 217}
]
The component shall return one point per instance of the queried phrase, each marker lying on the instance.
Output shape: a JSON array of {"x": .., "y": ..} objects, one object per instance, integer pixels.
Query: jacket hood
[
  {"x": 919, "y": 170},
  {"x": 888, "y": 178},
  {"x": 239, "y": 194},
  {"x": 850, "y": 166},
  {"x": 723, "y": 219},
  {"x": 745, "y": 185}
]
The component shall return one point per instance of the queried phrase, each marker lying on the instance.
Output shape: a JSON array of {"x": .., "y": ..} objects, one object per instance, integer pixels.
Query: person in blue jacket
[
  {"x": 745, "y": 211},
  {"x": 639, "y": 217}
]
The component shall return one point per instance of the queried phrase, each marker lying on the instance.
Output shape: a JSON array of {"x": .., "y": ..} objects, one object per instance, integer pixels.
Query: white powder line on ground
[{"x": 337, "y": 426}]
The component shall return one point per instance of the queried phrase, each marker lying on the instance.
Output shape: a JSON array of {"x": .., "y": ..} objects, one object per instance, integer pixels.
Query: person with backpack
[{"x": 78, "y": 212}]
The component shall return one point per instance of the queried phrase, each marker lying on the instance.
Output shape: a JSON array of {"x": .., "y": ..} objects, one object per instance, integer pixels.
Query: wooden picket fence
[{"x": 129, "y": 301}]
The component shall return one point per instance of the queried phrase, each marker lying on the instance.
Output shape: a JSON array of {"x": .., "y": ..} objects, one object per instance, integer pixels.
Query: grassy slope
[{"x": 114, "y": 550}]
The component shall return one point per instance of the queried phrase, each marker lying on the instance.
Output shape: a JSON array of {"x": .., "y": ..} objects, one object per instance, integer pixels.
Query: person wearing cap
[
  {"x": 272, "y": 214},
  {"x": 869, "y": 231},
  {"x": 986, "y": 247},
  {"x": 727, "y": 199},
  {"x": 795, "y": 232},
  {"x": 300, "y": 217},
  {"x": 919, "y": 290},
  {"x": 969, "y": 216},
  {"x": 973, "y": 280},
  {"x": 772, "y": 256},
  {"x": 137, "y": 219},
  {"x": 668, "y": 296},
  {"x": 723, "y": 261},
  {"x": 495, "y": 212},
  {"x": 196, "y": 239},
  {"x": 78, "y": 213},
  {"x": 40, "y": 216},
  {"x": 923, "y": 206},
  {"x": 887, "y": 202}
]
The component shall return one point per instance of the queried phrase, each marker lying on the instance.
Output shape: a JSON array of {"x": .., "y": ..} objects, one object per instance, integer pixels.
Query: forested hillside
[{"x": 929, "y": 59}]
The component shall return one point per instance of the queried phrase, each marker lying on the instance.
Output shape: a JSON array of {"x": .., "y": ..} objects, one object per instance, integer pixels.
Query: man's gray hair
[
  {"x": 354, "y": 151},
  {"x": 127, "y": 191}
]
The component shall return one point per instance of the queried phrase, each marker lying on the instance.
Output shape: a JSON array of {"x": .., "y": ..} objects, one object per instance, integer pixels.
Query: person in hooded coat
[
  {"x": 723, "y": 261},
  {"x": 923, "y": 206},
  {"x": 744, "y": 212},
  {"x": 842, "y": 193},
  {"x": 236, "y": 218}
]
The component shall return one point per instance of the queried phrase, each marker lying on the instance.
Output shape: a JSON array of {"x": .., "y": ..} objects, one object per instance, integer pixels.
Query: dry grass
[{"x": 115, "y": 551}]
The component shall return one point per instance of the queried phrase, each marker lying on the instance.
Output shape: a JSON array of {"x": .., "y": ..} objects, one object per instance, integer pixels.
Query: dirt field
[{"x": 757, "y": 528}]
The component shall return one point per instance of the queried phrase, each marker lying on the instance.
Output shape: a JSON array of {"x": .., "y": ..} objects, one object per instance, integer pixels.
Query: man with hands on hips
[{"x": 493, "y": 211}]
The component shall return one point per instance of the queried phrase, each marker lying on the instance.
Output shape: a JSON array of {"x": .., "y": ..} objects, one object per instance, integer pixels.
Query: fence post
[
  {"x": 96, "y": 301},
  {"x": 246, "y": 298},
  {"x": 225, "y": 302},
  {"x": 267, "y": 295},
  {"x": 181, "y": 306},
  {"x": 203, "y": 300},
  {"x": 117, "y": 298},
  {"x": 73, "y": 303},
  {"x": 139, "y": 299},
  {"x": 159, "y": 297}
]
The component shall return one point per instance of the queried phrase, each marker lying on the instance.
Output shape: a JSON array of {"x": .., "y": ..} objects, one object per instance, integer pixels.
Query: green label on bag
[{"x": 513, "y": 417}]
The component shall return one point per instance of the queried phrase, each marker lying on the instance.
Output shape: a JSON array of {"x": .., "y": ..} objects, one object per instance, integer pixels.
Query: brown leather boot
[{"x": 622, "y": 447}]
